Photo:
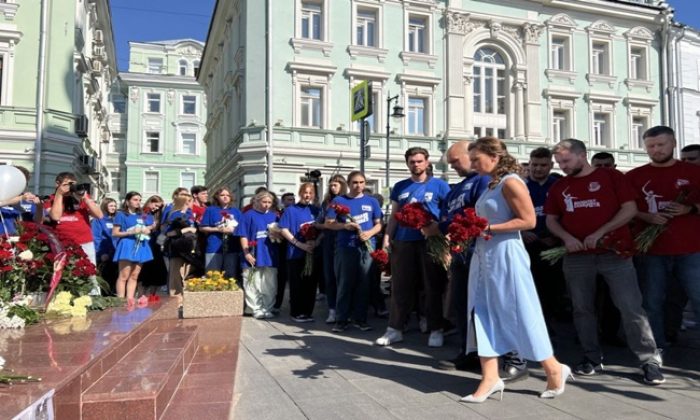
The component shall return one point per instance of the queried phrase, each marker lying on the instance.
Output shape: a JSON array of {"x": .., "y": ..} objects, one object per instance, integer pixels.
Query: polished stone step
[{"x": 142, "y": 382}]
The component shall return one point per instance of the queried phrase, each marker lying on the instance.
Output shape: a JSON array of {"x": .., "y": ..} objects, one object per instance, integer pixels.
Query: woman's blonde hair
[
  {"x": 491, "y": 146},
  {"x": 262, "y": 194},
  {"x": 306, "y": 185},
  {"x": 180, "y": 200}
]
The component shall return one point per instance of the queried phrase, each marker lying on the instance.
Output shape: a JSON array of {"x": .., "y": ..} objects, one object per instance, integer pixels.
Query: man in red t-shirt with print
[
  {"x": 667, "y": 194},
  {"x": 71, "y": 215},
  {"x": 582, "y": 208}
]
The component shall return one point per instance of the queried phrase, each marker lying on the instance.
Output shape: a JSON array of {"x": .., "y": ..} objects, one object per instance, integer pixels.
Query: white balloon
[{"x": 12, "y": 182}]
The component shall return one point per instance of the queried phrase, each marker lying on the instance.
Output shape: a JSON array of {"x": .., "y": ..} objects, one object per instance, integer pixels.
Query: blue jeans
[
  {"x": 227, "y": 263},
  {"x": 580, "y": 271},
  {"x": 654, "y": 271},
  {"x": 352, "y": 269}
]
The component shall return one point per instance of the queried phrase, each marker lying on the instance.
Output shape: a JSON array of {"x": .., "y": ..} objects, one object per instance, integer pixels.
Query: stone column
[{"x": 531, "y": 38}]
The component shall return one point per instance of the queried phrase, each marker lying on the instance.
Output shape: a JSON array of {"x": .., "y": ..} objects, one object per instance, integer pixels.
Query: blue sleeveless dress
[
  {"x": 128, "y": 248},
  {"x": 504, "y": 312}
]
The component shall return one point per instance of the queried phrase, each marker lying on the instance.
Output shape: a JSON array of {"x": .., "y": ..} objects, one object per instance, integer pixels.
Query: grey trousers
[{"x": 580, "y": 271}]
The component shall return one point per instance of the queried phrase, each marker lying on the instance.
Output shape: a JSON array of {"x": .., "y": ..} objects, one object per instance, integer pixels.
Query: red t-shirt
[
  {"x": 198, "y": 212},
  {"x": 585, "y": 204},
  {"x": 73, "y": 225},
  {"x": 656, "y": 188}
]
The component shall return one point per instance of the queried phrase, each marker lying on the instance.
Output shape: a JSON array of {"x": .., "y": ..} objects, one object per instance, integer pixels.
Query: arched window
[
  {"x": 195, "y": 65},
  {"x": 489, "y": 87},
  {"x": 183, "y": 67}
]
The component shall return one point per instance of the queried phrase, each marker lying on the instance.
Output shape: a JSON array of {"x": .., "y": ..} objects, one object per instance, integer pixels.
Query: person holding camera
[
  {"x": 70, "y": 215},
  {"x": 24, "y": 207}
]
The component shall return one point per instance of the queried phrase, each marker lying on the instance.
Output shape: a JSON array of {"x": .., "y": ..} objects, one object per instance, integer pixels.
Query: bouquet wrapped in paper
[{"x": 274, "y": 232}]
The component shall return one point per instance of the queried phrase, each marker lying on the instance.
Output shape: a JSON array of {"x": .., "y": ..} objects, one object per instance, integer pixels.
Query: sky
[{"x": 158, "y": 20}]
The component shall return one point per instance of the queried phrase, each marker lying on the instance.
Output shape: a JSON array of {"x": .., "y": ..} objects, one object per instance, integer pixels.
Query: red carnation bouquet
[
  {"x": 309, "y": 233},
  {"x": 615, "y": 241},
  {"x": 645, "y": 239},
  {"x": 415, "y": 216},
  {"x": 464, "y": 228},
  {"x": 381, "y": 258},
  {"x": 342, "y": 213}
]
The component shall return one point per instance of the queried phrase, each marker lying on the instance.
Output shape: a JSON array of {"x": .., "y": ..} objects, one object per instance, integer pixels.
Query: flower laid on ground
[
  {"x": 65, "y": 304},
  {"x": 274, "y": 232},
  {"x": 415, "y": 216},
  {"x": 613, "y": 241},
  {"x": 11, "y": 379},
  {"x": 9, "y": 320},
  {"x": 309, "y": 233},
  {"x": 213, "y": 281},
  {"x": 645, "y": 239},
  {"x": 465, "y": 227},
  {"x": 381, "y": 258}
]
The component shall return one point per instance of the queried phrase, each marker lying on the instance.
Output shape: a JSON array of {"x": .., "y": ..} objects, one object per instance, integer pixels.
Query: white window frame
[
  {"x": 561, "y": 125},
  {"x": 147, "y": 105},
  {"x": 7, "y": 53},
  {"x": 181, "y": 143},
  {"x": 324, "y": 21},
  {"x": 364, "y": 17},
  {"x": 145, "y": 149},
  {"x": 115, "y": 176},
  {"x": 182, "y": 104},
  {"x": 317, "y": 75},
  {"x": 150, "y": 65},
  {"x": 639, "y": 43},
  {"x": 639, "y": 110},
  {"x": 194, "y": 178},
  {"x": 563, "y": 54},
  {"x": 183, "y": 64},
  {"x": 322, "y": 99},
  {"x": 145, "y": 180},
  {"x": 411, "y": 131},
  {"x": 601, "y": 136},
  {"x": 601, "y": 58},
  {"x": 638, "y": 126},
  {"x": 118, "y": 143},
  {"x": 427, "y": 45}
]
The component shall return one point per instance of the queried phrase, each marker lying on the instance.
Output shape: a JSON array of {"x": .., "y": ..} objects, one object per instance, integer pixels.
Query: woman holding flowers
[
  {"x": 132, "y": 229},
  {"x": 336, "y": 187},
  {"x": 259, "y": 256},
  {"x": 297, "y": 219},
  {"x": 218, "y": 224},
  {"x": 181, "y": 232},
  {"x": 504, "y": 314},
  {"x": 357, "y": 218},
  {"x": 154, "y": 274}
]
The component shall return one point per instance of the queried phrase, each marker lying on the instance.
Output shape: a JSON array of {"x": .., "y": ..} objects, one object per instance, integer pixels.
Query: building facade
[
  {"x": 531, "y": 72},
  {"x": 57, "y": 64},
  {"x": 158, "y": 120},
  {"x": 684, "y": 83}
]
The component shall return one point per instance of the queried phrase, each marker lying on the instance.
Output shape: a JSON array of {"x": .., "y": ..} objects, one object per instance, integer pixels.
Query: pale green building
[
  {"x": 158, "y": 120},
  {"x": 55, "y": 77},
  {"x": 278, "y": 76}
]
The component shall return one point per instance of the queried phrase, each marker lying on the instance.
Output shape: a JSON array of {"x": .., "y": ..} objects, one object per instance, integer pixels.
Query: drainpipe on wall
[
  {"x": 680, "y": 128},
  {"x": 268, "y": 95},
  {"x": 41, "y": 81}
]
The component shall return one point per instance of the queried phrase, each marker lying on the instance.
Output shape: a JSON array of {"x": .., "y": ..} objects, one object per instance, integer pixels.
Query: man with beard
[
  {"x": 582, "y": 208},
  {"x": 410, "y": 264},
  {"x": 462, "y": 196},
  {"x": 667, "y": 194},
  {"x": 549, "y": 278}
]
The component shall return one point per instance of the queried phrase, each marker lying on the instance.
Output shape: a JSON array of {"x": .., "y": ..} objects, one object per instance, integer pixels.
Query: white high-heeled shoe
[
  {"x": 565, "y": 374},
  {"x": 497, "y": 387}
]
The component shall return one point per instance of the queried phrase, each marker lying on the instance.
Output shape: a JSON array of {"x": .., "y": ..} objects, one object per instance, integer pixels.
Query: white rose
[{"x": 26, "y": 255}]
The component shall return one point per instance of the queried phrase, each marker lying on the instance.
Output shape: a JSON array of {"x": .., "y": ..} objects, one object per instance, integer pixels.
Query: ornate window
[
  {"x": 489, "y": 93},
  {"x": 183, "y": 67}
]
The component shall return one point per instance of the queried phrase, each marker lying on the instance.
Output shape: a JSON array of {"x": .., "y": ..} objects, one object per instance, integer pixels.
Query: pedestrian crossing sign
[{"x": 361, "y": 101}]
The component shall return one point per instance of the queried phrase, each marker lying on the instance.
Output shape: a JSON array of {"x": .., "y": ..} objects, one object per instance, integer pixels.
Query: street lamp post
[{"x": 398, "y": 113}]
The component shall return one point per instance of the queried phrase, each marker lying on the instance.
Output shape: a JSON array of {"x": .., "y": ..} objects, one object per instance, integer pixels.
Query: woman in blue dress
[
  {"x": 218, "y": 224},
  {"x": 105, "y": 244},
  {"x": 132, "y": 229},
  {"x": 504, "y": 313}
]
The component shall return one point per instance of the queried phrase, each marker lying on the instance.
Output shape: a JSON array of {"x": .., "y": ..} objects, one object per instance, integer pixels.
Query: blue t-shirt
[
  {"x": 431, "y": 193},
  {"x": 363, "y": 210},
  {"x": 462, "y": 195},
  {"x": 253, "y": 226},
  {"x": 105, "y": 243},
  {"x": 538, "y": 194},
  {"x": 213, "y": 217},
  {"x": 293, "y": 219},
  {"x": 22, "y": 211},
  {"x": 125, "y": 221}
]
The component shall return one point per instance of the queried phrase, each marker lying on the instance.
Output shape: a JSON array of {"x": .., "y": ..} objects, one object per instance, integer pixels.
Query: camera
[
  {"x": 80, "y": 189},
  {"x": 314, "y": 175}
]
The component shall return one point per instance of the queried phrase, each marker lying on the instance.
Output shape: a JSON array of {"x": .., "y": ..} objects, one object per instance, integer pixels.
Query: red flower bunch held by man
[
  {"x": 309, "y": 233},
  {"x": 616, "y": 241},
  {"x": 464, "y": 228},
  {"x": 415, "y": 216},
  {"x": 342, "y": 212}
]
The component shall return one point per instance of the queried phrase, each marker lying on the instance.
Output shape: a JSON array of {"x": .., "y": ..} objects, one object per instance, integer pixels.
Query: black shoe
[
  {"x": 652, "y": 374},
  {"x": 464, "y": 362},
  {"x": 513, "y": 374},
  {"x": 340, "y": 326},
  {"x": 180, "y": 314},
  {"x": 363, "y": 326},
  {"x": 588, "y": 368}
]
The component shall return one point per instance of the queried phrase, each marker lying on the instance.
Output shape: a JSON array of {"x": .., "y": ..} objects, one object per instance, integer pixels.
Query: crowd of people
[{"x": 499, "y": 294}]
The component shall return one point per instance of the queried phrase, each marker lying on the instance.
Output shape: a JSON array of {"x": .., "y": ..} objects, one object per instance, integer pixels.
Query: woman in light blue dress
[
  {"x": 132, "y": 228},
  {"x": 504, "y": 312}
]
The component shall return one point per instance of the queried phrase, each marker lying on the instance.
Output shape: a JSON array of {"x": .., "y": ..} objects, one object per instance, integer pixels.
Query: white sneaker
[
  {"x": 390, "y": 336},
  {"x": 423, "y": 324},
  {"x": 436, "y": 339},
  {"x": 331, "y": 317}
]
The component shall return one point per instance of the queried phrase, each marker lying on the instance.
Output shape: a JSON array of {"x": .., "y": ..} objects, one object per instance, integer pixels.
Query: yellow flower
[{"x": 83, "y": 301}]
